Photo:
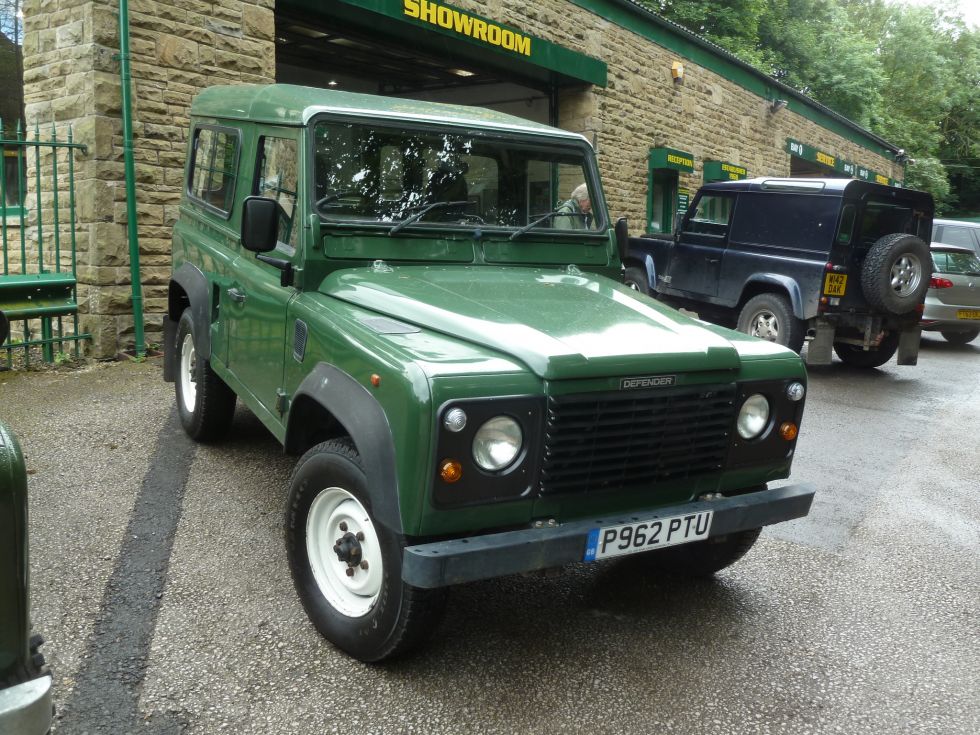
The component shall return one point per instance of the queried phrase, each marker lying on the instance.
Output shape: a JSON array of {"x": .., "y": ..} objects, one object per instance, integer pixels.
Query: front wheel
[
  {"x": 347, "y": 567},
  {"x": 206, "y": 405},
  {"x": 636, "y": 279},
  {"x": 769, "y": 316},
  {"x": 858, "y": 357},
  {"x": 961, "y": 338},
  {"x": 703, "y": 558}
]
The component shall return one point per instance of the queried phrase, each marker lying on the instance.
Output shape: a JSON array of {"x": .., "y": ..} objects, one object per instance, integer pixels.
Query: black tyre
[
  {"x": 961, "y": 338},
  {"x": 205, "y": 404},
  {"x": 769, "y": 316},
  {"x": 703, "y": 558},
  {"x": 895, "y": 273},
  {"x": 636, "y": 278},
  {"x": 858, "y": 357},
  {"x": 346, "y": 566}
]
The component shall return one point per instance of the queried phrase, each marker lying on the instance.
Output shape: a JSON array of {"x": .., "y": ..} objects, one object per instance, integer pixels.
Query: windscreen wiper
[
  {"x": 424, "y": 211},
  {"x": 542, "y": 218}
]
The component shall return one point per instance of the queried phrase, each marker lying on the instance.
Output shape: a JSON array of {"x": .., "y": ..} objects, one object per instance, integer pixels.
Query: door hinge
[{"x": 282, "y": 401}]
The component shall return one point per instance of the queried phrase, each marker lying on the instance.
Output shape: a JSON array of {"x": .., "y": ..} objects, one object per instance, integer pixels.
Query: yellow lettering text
[{"x": 412, "y": 8}]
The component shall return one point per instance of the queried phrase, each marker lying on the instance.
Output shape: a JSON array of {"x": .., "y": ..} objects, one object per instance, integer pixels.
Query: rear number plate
[
  {"x": 835, "y": 284},
  {"x": 632, "y": 538},
  {"x": 968, "y": 314}
]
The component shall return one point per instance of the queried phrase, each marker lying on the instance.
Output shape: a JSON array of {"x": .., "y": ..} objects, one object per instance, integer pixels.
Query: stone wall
[
  {"x": 182, "y": 46},
  {"x": 178, "y": 47}
]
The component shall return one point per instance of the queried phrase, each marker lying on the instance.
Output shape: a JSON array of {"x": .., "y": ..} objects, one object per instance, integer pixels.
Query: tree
[{"x": 11, "y": 63}]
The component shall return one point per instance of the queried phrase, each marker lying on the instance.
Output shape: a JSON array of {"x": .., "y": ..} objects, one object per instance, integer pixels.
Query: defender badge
[{"x": 649, "y": 381}]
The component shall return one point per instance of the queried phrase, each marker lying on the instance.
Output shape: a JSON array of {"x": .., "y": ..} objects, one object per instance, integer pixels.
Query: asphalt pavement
[{"x": 160, "y": 583}]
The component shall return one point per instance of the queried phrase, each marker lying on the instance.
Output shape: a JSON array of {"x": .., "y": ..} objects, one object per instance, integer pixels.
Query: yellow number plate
[
  {"x": 968, "y": 314},
  {"x": 835, "y": 284}
]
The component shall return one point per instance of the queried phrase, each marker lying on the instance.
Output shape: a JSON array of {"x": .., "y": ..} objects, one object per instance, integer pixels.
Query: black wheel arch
[
  {"x": 761, "y": 283},
  {"x": 330, "y": 403},
  {"x": 189, "y": 287},
  {"x": 645, "y": 262}
]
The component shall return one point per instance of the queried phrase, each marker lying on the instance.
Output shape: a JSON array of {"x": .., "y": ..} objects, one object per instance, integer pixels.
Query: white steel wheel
[
  {"x": 188, "y": 373},
  {"x": 344, "y": 552},
  {"x": 906, "y": 275}
]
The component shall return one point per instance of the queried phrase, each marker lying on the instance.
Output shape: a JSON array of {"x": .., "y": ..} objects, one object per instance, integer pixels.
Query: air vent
[{"x": 299, "y": 340}]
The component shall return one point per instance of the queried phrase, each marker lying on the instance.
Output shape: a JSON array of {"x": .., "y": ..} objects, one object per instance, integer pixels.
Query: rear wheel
[
  {"x": 769, "y": 316},
  {"x": 703, "y": 558},
  {"x": 858, "y": 357},
  {"x": 346, "y": 566},
  {"x": 961, "y": 338},
  {"x": 205, "y": 404}
]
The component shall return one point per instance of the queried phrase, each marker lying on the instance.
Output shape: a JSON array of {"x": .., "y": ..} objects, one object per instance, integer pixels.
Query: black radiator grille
[{"x": 604, "y": 441}]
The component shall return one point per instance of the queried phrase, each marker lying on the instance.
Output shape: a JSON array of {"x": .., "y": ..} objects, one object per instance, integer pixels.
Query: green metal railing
[{"x": 38, "y": 285}]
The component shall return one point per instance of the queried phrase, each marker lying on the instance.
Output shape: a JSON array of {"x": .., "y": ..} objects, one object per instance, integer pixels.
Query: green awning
[
  {"x": 848, "y": 168},
  {"x": 462, "y": 32},
  {"x": 723, "y": 171},
  {"x": 671, "y": 158}
]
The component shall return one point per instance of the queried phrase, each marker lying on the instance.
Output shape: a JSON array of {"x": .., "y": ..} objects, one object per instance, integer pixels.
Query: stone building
[{"x": 665, "y": 109}]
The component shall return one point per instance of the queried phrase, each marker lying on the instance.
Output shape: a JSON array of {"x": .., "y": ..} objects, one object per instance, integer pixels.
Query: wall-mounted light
[
  {"x": 777, "y": 105},
  {"x": 901, "y": 156},
  {"x": 677, "y": 72}
]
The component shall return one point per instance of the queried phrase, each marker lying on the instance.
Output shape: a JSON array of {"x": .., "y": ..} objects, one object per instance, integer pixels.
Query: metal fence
[{"x": 38, "y": 286}]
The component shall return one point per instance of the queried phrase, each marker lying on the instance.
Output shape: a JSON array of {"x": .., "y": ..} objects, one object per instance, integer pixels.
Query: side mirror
[
  {"x": 260, "y": 224},
  {"x": 4, "y": 328},
  {"x": 622, "y": 237}
]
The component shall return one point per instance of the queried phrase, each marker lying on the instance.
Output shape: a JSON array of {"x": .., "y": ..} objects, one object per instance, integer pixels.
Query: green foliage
[{"x": 910, "y": 74}]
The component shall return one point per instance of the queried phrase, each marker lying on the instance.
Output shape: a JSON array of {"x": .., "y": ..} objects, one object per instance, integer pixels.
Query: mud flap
[
  {"x": 820, "y": 349},
  {"x": 908, "y": 346},
  {"x": 169, "y": 349}
]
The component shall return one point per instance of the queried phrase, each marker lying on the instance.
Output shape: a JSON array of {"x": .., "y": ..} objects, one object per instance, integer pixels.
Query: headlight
[
  {"x": 497, "y": 443},
  {"x": 753, "y": 416}
]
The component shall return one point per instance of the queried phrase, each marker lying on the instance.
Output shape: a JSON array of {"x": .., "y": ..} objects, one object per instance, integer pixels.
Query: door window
[
  {"x": 711, "y": 215},
  {"x": 277, "y": 180}
]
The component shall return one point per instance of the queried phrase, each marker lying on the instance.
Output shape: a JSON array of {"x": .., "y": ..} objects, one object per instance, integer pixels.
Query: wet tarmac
[{"x": 160, "y": 582}]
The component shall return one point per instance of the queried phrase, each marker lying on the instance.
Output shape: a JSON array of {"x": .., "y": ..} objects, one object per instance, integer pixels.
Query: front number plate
[
  {"x": 968, "y": 314},
  {"x": 632, "y": 538},
  {"x": 835, "y": 284}
]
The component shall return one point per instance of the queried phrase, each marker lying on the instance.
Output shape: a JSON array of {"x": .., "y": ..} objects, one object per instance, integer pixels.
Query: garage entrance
[{"x": 376, "y": 48}]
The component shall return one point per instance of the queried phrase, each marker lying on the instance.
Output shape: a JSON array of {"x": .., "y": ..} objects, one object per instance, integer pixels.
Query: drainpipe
[{"x": 127, "y": 120}]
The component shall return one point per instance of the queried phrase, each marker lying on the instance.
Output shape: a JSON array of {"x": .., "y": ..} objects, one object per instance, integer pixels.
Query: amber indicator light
[
  {"x": 375, "y": 380},
  {"x": 788, "y": 431},
  {"x": 450, "y": 471}
]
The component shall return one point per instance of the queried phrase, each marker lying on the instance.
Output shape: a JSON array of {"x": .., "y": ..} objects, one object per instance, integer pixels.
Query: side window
[
  {"x": 957, "y": 236},
  {"x": 711, "y": 215},
  {"x": 277, "y": 179},
  {"x": 790, "y": 220},
  {"x": 213, "y": 167}
]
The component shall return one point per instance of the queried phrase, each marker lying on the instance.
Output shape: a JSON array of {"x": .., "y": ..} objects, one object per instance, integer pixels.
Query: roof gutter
[{"x": 714, "y": 48}]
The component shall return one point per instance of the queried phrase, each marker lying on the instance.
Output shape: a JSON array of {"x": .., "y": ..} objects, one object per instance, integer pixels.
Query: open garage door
[{"x": 377, "y": 48}]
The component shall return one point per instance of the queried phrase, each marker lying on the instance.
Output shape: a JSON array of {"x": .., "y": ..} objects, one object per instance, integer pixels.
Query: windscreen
[
  {"x": 965, "y": 264},
  {"x": 379, "y": 174}
]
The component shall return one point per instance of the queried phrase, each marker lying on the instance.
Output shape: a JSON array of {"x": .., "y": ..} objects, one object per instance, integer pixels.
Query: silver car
[
  {"x": 957, "y": 232},
  {"x": 952, "y": 305}
]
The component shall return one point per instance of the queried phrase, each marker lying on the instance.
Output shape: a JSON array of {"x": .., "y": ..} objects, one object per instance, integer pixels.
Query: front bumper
[
  {"x": 444, "y": 563},
  {"x": 25, "y": 708}
]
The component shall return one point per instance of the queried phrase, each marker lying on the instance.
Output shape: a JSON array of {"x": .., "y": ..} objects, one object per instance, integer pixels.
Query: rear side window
[
  {"x": 797, "y": 221},
  {"x": 956, "y": 236},
  {"x": 214, "y": 164}
]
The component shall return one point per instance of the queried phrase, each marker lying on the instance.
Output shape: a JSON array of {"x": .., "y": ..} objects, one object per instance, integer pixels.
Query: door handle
[
  {"x": 713, "y": 260},
  {"x": 237, "y": 296}
]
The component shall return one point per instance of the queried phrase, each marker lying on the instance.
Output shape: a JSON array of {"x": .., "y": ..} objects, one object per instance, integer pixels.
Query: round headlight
[
  {"x": 753, "y": 416},
  {"x": 795, "y": 391},
  {"x": 497, "y": 443}
]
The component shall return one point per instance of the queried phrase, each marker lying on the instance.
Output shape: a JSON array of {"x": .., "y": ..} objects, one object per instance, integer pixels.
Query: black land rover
[{"x": 841, "y": 263}]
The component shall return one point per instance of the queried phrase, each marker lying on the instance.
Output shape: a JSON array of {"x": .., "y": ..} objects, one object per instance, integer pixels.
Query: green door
[
  {"x": 661, "y": 200},
  {"x": 256, "y": 312}
]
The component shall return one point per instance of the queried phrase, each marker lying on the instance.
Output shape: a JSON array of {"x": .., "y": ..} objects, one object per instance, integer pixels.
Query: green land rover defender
[{"x": 402, "y": 294}]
